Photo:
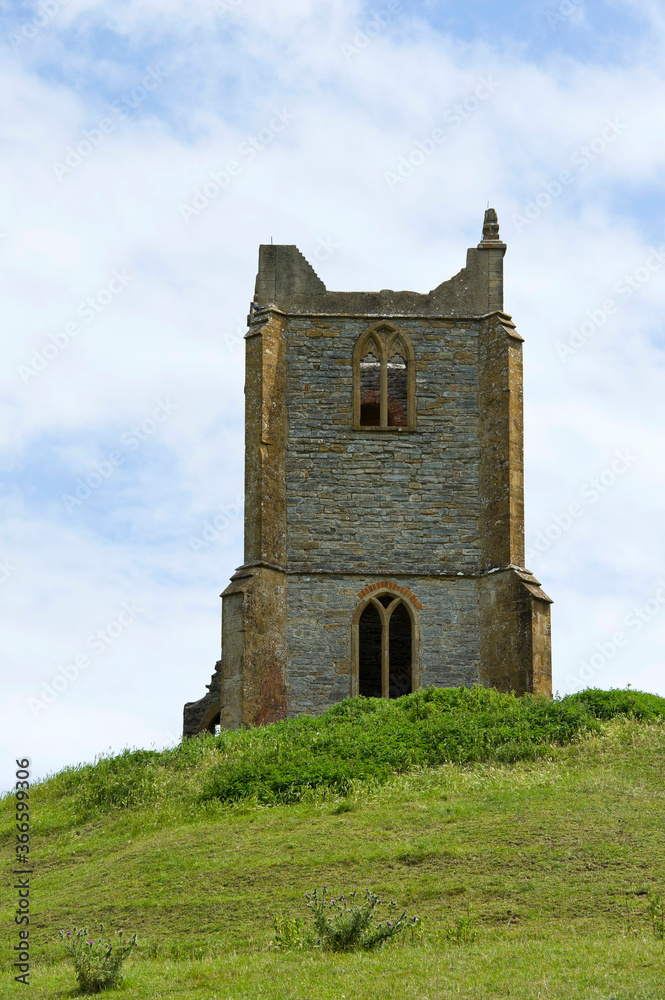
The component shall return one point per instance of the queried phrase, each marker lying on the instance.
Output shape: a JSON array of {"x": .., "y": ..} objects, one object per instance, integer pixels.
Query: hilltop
[{"x": 540, "y": 822}]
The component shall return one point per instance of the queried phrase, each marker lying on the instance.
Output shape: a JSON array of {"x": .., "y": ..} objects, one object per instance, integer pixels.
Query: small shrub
[
  {"x": 345, "y": 925},
  {"x": 369, "y": 739},
  {"x": 608, "y": 705},
  {"x": 463, "y": 931},
  {"x": 97, "y": 963}
]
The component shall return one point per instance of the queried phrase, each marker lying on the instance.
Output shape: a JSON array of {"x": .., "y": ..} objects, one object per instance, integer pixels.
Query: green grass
[
  {"x": 360, "y": 739},
  {"x": 544, "y": 848}
]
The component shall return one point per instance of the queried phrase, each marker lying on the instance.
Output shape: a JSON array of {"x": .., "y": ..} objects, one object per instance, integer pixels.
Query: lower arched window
[
  {"x": 399, "y": 652},
  {"x": 385, "y": 644}
]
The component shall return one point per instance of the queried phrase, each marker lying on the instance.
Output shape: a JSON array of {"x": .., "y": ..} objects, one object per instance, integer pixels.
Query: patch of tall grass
[
  {"x": 608, "y": 705},
  {"x": 359, "y": 739},
  {"x": 370, "y": 739}
]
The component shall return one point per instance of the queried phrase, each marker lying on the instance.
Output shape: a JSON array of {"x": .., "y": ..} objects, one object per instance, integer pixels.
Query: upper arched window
[{"x": 384, "y": 380}]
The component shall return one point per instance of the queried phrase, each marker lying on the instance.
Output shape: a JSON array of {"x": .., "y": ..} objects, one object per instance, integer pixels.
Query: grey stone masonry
[
  {"x": 319, "y": 644},
  {"x": 402, "y": 502}
]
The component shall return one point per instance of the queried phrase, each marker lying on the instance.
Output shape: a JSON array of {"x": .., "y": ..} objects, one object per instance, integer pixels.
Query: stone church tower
[{"x": 384, "y": 498}]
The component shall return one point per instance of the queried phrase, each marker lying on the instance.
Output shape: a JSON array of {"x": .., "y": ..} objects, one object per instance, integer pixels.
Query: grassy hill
[{"x": 543, "y": 823}]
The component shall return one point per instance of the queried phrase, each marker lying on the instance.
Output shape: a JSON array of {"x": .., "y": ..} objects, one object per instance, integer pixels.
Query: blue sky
[{"x": 116, "y": 113}]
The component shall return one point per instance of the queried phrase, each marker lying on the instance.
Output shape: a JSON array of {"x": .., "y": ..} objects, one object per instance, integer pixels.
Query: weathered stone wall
[
  {"x": 370, "y": 501},
  {"x": 514, "y": 633},
  {"x": 320, "y": 612},
  {"x": 254, "y": 651},
  {"x": 287, "y": 280},
  {"x": 501, "y": 441},
  {"x": 265, "y": 444},
  {"x": 254, "y": 610},
  {"x": 233, "y": 655},
  {"x": 541, "y": 647}
]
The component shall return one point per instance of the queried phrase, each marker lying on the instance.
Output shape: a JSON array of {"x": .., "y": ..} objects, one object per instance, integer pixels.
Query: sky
[{"x": 148, "y": 148}]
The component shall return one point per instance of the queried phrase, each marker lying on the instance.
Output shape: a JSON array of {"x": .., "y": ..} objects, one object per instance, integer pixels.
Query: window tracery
[
  {"x": 383, "y": 380},
  {"x": 385, "y": 648}
]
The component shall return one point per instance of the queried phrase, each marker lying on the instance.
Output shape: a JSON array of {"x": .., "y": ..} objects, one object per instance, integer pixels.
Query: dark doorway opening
[
  {"x": 213, "y": 724},
  {"x": 369, "y": 653},
  {"x": 399, "y": 652},
  {"x": 380, "y": 636},
  {"x": 370, "y": 415}
]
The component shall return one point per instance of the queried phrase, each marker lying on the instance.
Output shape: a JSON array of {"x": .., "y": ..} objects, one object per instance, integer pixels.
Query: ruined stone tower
[{"x": 384, "y": 506}]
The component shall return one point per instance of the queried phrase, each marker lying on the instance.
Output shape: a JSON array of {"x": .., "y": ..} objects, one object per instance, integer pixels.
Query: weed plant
[
  {"x": 463, "y": 931},
  {"x": 97, "y": 963},
  {"x": 291, "y": 935},
  {"x": 656, "y": 911},
  {"x": 345, "y": 924}
]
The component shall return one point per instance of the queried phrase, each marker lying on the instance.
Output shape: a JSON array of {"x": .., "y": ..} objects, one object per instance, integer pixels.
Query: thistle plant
[
  {"x": 345, "y": 924},
  {"x": 97, "y": 961}
]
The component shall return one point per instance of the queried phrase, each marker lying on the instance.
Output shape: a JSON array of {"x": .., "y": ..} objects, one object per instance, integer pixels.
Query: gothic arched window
[
  {"x": 384, "y": 380},
  {"x": 384, "y": 645}
]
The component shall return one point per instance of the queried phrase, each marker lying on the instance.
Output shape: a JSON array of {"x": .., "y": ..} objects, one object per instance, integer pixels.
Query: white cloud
[{"x": 173, "y": 331}]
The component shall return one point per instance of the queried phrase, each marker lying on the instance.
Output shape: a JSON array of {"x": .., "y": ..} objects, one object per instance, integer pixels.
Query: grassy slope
[{"x": 545, "y": 854}]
